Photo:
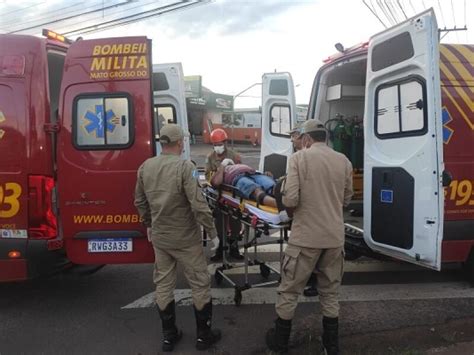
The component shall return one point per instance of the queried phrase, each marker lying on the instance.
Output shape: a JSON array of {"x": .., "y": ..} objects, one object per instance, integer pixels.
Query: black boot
[
  {"x": 311, "y": 290},
  {"x": 218, "y": 255},
  {"x": 234, "y": 251},
  {"x": 171, "y": 334},
  {"x": 277, "y": 338},
  {"x": 330, "y": 336},
  {"x": 206, "y": 336}
]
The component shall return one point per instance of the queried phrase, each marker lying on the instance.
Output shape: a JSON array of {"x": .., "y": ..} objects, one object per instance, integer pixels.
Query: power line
[
  {"x": 413, "y": 8},
  {"x": 373, "y": 12},
  {"x": 44, "y": 17},
  {"x": 120, "y": 22},
  {"x": 379, "y": 3},
  {"x": 454, "y": 19},
  {"x": 22, "y": 9},
  {"x": 401, "y": 8},
  {"x": 69, "y": 17}
]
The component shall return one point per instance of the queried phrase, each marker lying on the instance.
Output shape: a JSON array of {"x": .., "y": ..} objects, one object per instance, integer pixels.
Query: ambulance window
[
  {"x": 164, "y": 114},
  {"x": 160, "y": 83},
  {"x": 400, "y": 109},
  {"x": 392, "y": 51},
  {"x": 280, "y": 119},
  {"x": 278, "y": 87},
  {"x": 102, "y": 122}
]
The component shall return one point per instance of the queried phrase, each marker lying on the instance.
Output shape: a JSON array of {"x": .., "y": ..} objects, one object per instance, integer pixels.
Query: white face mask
[{"x": 219, "y": 149}]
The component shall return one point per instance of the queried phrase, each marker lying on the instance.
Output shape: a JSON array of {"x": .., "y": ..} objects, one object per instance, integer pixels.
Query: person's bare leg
[{"x": 267, "y": 200}]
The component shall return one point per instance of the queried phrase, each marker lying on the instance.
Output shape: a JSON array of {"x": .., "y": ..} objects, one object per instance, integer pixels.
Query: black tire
[
  {"x": 238, "y": 297},
  {"x": 468, "y": 267},
  {"x": 351, "y": 255},
  {"x": 218, "y": 277},
  {"x": 264, "y": 271}
]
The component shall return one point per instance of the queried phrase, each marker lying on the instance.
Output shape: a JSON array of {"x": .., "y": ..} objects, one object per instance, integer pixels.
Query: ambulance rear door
[
  {"x": 106, "y": 133},
  {"x": 170, "y": 101},
  {"x": 403, "y": 163},
  {"x": 278, "y": 117}
]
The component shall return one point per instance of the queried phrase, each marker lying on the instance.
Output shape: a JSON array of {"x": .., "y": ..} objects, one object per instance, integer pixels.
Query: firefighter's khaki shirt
[
  {"x": 169, "y": 199},
  {"x": 213, "y": 161},
  {"x": 318, "y": 184}
]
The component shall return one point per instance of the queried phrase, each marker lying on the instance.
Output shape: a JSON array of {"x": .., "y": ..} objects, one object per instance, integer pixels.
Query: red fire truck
[
  {"x": 401, "y": 108},
  {"x": 71, "y": 141}
]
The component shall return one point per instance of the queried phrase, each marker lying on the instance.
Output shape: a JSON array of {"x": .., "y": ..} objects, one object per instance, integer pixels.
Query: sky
[{"x": 231, "y": 43}]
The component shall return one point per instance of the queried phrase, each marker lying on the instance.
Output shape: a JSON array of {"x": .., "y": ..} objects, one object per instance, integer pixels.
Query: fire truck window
[
  {"x": 280, "y": 120},
  {"x": 55, "y": 74},
  {"x": 164, "y": 114},
  {"x": 400, "y": 109},
  {"x": 102, "y": 122}
]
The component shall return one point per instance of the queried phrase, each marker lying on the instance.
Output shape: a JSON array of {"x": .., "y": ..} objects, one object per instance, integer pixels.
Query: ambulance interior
[{"x": 340, "y": 107}]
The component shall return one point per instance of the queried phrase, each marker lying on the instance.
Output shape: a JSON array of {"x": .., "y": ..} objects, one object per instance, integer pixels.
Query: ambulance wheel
[
  {"x": 264, "y": 271},
  {"x": 218, "y": 277},
  {"x": 351, "y": 255},
  {"x": 238, "y": 297}
]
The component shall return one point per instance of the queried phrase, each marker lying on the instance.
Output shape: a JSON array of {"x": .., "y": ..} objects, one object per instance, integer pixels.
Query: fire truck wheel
[{"x": 469, "y": 267}]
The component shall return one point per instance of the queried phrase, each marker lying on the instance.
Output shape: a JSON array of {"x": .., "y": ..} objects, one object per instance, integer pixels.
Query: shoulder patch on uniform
[{"x": 195, "y": 174}]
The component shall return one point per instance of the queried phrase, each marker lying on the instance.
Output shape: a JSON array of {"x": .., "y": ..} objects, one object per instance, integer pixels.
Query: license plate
[{"x": 110, "y": 245}]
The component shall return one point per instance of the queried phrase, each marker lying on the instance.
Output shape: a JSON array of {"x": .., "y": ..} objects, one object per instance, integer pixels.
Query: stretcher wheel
[
  {"x": 218, "y": 277},
  {"x": 264, "y": 271},
  {"x": 237, "y": 297}
]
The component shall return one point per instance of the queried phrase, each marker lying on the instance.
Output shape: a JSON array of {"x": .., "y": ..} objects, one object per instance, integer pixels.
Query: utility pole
[{"x": 447, "y": 30}]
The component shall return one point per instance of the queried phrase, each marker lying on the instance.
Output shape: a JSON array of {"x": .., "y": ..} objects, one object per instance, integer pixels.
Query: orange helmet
[{"x": 218, "y": 135}]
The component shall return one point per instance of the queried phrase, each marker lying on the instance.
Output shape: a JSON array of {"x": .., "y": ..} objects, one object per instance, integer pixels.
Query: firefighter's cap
[
  {"x": 312, "y": 125},
  {"x": 171, "y": 133},
  {"x": 295, "y": 129}
]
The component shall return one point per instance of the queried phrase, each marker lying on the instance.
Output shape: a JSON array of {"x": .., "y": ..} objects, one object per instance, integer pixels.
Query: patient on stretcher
[{"x": 249, "y": 183}]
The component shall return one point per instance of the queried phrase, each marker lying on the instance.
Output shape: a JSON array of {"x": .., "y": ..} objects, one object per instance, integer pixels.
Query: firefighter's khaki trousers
[
  {"x": 194, "y": 265},
  {"x": 297, "y": 265}
]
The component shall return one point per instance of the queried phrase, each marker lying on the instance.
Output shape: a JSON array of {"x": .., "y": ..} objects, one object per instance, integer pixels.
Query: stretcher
[{"x": 257, "y": 220}]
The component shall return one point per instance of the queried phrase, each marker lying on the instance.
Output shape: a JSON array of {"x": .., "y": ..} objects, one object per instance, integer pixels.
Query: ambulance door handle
[{"x": 124, "y": 120}]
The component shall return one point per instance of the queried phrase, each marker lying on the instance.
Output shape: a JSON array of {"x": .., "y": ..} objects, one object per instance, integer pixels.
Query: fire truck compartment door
[
  {"x": 278, "y": 117},
  {"x": 403, "y": 163},
  {"x": 170, "y": 101}
]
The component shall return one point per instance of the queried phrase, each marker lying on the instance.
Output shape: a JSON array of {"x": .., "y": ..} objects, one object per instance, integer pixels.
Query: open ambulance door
[
  {"x": 403, "y": 165},
  {"x": 278, "y": 117},
  {"x": 169, "y": 101}
]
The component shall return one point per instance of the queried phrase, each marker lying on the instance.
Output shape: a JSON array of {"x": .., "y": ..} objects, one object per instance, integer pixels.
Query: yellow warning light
[
  {"x": 53, "y": 35},
  {"x": 14, "y": 254}
]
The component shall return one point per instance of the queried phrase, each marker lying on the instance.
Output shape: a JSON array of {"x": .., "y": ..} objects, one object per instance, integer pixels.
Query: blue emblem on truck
[
  {"x": 386, "y": 196},
  {"x": 96, "y": 121}
]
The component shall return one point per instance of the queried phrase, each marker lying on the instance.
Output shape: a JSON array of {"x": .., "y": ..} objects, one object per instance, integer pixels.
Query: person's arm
[
  {"x": 209, "y": 169},
  {"x": 141, "y": 202},
  {"x": 199, "y": 206},
  {"x": 291, "y": 188},
  {"x": 237, "y": 159},
  {"x": 218, "y": 177},
  {"x": 348, "y": 191}
]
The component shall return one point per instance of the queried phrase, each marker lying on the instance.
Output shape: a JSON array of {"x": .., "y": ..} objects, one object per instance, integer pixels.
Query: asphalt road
[
  {"x": 386, "y": 308},
  {"x": 72, "y": 313}
]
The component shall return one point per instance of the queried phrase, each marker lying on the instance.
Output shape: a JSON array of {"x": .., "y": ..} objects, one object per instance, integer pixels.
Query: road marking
[{"x": 350, "y": 293}]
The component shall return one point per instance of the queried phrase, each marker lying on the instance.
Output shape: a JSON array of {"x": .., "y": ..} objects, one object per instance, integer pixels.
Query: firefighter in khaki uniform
[
  {"x": 170, "y": 202},
  {"x": 214, "y": 160},
  {"x": 318, "y": 185}
]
